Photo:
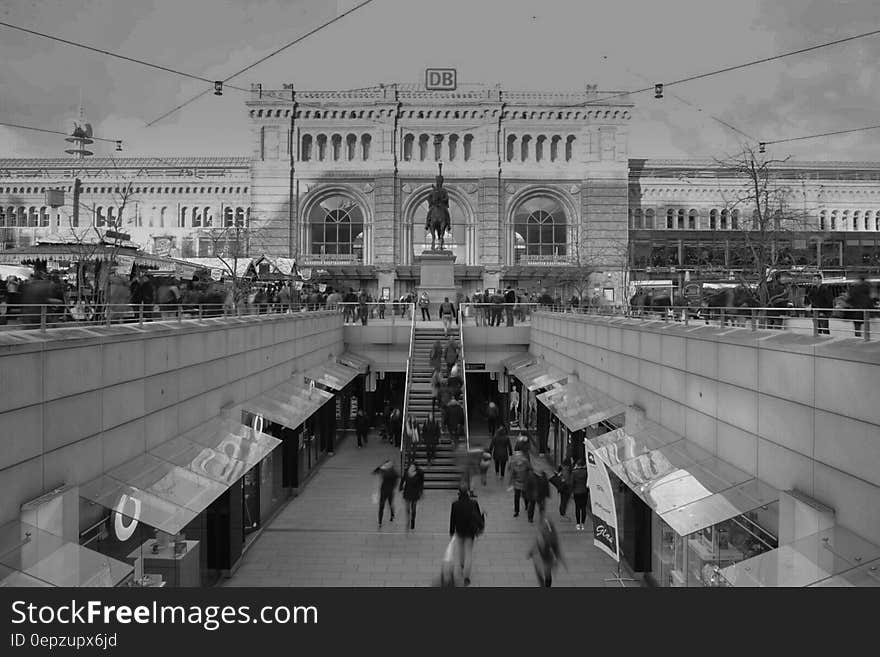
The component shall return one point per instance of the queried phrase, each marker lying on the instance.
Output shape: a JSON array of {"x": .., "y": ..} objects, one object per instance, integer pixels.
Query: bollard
[{"x": 42, "y": 319}]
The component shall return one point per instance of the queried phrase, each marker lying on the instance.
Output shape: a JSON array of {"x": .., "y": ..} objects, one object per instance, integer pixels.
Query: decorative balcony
[
  {"x": 524, "y": 259},
  {"x": 331, "y": 259}
]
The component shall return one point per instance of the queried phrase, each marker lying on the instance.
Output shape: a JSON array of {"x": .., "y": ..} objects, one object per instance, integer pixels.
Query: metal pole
[
  {"x": 754, "y": 320},
  {"x": 141, "y": 313},
  {"x": 866, "y": 326},
  {"x": 815, "y": 322},
  {"x": 43, "y": 319}
]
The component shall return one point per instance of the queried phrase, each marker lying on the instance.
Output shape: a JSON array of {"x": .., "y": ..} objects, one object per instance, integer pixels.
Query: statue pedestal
[{"x": 437, "y": 278}]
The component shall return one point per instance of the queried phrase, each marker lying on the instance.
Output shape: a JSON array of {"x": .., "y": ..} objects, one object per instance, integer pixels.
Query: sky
[{"x": 553, "y": 45}]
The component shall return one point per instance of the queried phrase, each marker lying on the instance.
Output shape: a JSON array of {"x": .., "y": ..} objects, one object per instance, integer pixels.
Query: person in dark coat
[
  {"x": 361, "y": 427},
  {"x": 501, "y": 450},
  {"x": 581, "y": 493},
  {"x": 859, "y": 299},
  {"x": 436, "y": 358},
  {"x": 537, "y": 490},
  {"x": 492, "y": 417},
  {"x": 395, "y": 426},
  {"x": 545, "y": 552},
  {"x": 561, "y": 479},
  {"x": 463, "y": 528},
  {"x": 454, "y": 420},
  {"x": 413, "y": 485},
  {"x": 821, "y": 299},
  {"x": 431, "y": 434},
  {"x": 387, "y": 486},
  {"x": 451, "y": 355}
]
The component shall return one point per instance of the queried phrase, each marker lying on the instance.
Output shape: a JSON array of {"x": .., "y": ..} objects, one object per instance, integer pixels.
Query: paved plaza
[{"x": 328, "y": 536}]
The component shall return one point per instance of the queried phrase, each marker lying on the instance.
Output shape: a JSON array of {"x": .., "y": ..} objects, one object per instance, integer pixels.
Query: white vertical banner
[{"x": 602, "y": 504}]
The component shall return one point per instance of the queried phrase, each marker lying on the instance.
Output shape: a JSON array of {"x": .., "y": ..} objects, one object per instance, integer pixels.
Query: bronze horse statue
[{"x": 438, "y": 220}]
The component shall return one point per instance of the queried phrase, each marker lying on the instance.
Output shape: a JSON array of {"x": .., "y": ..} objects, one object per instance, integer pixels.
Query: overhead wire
[
  {"x": 53, "y": 132},
  {"x": 822, "y": 134}
]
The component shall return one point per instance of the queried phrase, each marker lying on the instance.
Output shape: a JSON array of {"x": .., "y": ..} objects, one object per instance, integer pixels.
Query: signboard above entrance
[{"x": 441, "y": 79}]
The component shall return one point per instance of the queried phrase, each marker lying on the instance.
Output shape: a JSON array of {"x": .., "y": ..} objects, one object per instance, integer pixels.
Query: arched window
[
  {"x": 408, "y": 147},
  {"x": 569, "y": 148},
  {"x": 539, "y": 148},
  {"x": 207, "y": 217},
  {"x": 834, "y": 220},
  {"x": 112, "y": 217},
  {"x": 541, "y": 225},
  {"x": 306, "y": 151},
  {"x": 524, "y": 148},
  {"x": 638, "y": 219},
  {"x": 511, "y": 145},
  {"x": 554, "y": 147},
  {"x": 453, "y": 147},
  {"x": 670, "y": 219},
  {"x": 877, "y": 220},
  {"x": 680, "y": 224},
  {"x": 196, "y": 217},
  {"x": 693, "y": 220},
  {"x": 322, "y": 147},
  {"x": 857, "y": 220},
  {"x": 649, "y": 218},
  {"x": 350, "y": 147},
  {"x": 869, "y": 220},
  {"x": 823, "y": 225},
  {"x": 44, "y": 216},
  {"x": 240, "y": 219},
  {"x": 438, "y": 148},
  {"x": 337, "y": 147},
  {"x": 724, "y": 215},
  {"x": 228, "y": 217},
  {"x": 844, "y": 221},
  {"x": 713, "y": 219},
  {"x": 468, "y": 143},
  {"x": 181, "y": 220},
  {"x": 734, "y": 220},
  {"x": 33, "y": 218},
  {"x": 2, "y": 217},
  {"x": 336, "y": 226},
  {"x": 366, "y": 142},
  {"x": 423, "y": 147},
  {"x": 100, "y": 218}
]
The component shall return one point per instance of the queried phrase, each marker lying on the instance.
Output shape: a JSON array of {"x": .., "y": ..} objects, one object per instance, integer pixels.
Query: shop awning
[
  {"x": 32, "y": 557},
  {"x": 332, "y": 375},
  {"x": 355, "y": 361},
  {"x": 687, "y": 486},
  {"x": 833, "y": 557},
  {"x": 288, "y": 404},
  {"x": 169, "y": 486},
  {"x": 516, "y": 362},
  {"x": 578, "y": 405},
  {"x": 539, "y": 375}
]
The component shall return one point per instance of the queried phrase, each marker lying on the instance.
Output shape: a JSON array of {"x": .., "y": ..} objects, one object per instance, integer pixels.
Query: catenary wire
[
  {"x": 823, "y": 134},
  {"x": 52, "y": 132}
]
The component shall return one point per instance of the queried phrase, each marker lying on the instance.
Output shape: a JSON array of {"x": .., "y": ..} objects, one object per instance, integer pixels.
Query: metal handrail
[
  {"x": 467, "y": 433},
  {"x": 409, "y": 360}
]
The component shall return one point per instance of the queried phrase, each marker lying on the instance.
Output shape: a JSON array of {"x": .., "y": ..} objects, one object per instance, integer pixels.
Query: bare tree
[
  {"x": 763, "y": 215},
  {"x": 589, "y": 258},
  {"x": 232, "y": 244}
]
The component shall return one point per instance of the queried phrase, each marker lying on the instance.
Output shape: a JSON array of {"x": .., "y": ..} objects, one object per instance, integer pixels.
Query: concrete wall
[
  {"x": 797, "y": 411},
  {"x": 72, "y": 409}
]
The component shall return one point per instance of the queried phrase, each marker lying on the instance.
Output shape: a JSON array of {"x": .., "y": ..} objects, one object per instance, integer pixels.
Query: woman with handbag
[{"x": 413, "y": 485}]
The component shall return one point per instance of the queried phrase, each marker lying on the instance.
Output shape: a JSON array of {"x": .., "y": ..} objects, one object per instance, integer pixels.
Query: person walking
[
  {"x": 466, "y": 522},
  {"x": 859, "y": 300},
  {"x": 395, "y": 424},
  {"x": 492, "y": 417},
  {"x": 425, "y": 305},
  {"x": 451, "y": 355},
  {"x": 362, "y": 308},
  {"x": 509, "y": 304},
  {"x": 411, "y": 438},
  {"x": 431, "y": 434},
  {"x": 501, "y": 450},
  {"x": 580, "y": 492},
  {"x": 820, "y": 298},
  {"x": 454, "y": 420},
  {"x": 485, "y": 463},
  {"x": 361, "y": 427},
  {"x": 447, "y": 313},
  {"x": 389, "y": 476},
  {"x": 436, "y": 388},
  {"x": 436, "y": 357},
  {"x": 413, "y": 485},
  {"x": 520, "y": 467},
  {"x": 545, "y": 552},
  {"x": 539, "y": 492},
  {"x": 561, "y": 479}
]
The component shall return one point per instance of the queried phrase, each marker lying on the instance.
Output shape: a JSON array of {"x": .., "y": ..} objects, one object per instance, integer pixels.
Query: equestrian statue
[{"x": 438, "y": 221}]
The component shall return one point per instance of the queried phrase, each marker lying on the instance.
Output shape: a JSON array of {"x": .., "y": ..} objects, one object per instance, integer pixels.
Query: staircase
[{"x": 444, "y": 473}]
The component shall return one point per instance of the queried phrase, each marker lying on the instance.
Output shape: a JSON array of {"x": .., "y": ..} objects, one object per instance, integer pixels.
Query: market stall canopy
[
  {"x": 355, "y": 361},
  {"x": 687, "y": 486},
  {"x": 171, "y": 485},
  {"x": 18, "y": 271},
  {"x": 331, "y": 375},
  {"x": 32, "y": 557},
  {"x": 833, "y": 557},
  {"x": 578, "y": 405},
  {"x": 288, "y": 404},
  {"x": 520, "y": 360},
  {"x": 540, "y": 375}
]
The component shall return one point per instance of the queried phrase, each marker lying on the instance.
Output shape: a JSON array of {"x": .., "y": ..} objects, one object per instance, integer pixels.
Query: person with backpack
[
  {"x": 447, "y": 313},
  {"x": 545, "y": 553},
  {"x": 520, "y": 467},
  {"x": 466, "y": 522},
  {"x": 561, "y": 479},
  {"x": 501, "y": 450},
  {"x": 581, "y": 493},
  {"x": 413, "y": 485},
  {"x": 386, "y": 488}
]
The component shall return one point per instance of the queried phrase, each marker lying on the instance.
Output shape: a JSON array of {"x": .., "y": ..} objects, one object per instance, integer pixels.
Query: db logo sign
[{"x": 440, "y": 79}]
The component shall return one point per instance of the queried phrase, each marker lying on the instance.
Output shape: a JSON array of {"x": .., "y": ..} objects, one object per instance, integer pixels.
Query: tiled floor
[{"x": 328, "y": 536}]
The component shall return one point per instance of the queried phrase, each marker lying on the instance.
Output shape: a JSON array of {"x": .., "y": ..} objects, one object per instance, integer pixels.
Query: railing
[
  {"x": 383, "y": 313},
  {"x": 409, "y": 361},
  {"x": 837, "y": 322},
  {"x": 467, "y": 432},
  {"x": 496, "y": 314},
  {"x": 17, "y": 317}
]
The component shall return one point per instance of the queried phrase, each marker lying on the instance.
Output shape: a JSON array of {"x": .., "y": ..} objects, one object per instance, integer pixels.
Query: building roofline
[
  {"x": 142, "y": 162},
  {"x": 638, "y": 164}
]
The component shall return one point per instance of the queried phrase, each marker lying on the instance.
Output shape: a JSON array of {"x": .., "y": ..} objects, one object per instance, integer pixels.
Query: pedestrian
[
  {"x": 413, "y": 485},
  {"x": 424, "y": 304},
  {"x": 501, "y": 450},
  {"x": 410, "y": 437},
  {"x": 361, "y": 427},
  {"x": 580, "y": 492},
  {"x": 436, "y": 357},
  {"x": 538, "y": 488},
  {"x": 431, "y": 435},
  {"x": 545, "y": 552},
  {"x": 520, "y": 467},
  {"x": 485, "y": 463},
  {"x": 859, "y": 300},
  {"x": 466, "y": 522},
  {"x": 436, "y": 388},
  {"x": 561, "y": 479},
  {"x": 509, "y": 304},
  {"x": 389, "y": 476},
  {"x": 447, "y": 313},
  {"x": 386, "y": 424},
  {"x": 362, "y": 309},
  {"x": 395, "y": 426},
  {"x": 492, "y": 417},
  {"x": 284, "y": 298},
  {"x": 452, "y": 353},
  {"x": 820, "y": 298},
  {"x": 381, "y": 307},
  {"x": 454, "y": 420}
]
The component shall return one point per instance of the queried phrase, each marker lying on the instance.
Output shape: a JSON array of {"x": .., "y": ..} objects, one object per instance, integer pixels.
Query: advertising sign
[
  {"x": 441, "y": 79},
  {"x": 602, "y": 504},
  {"x": 216, "y": 274},
  {"x": 124, "y": 265}
]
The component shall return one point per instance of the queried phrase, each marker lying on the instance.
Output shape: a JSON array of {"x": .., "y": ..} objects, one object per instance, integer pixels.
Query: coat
[
  {"x": 461, "y": 516},
  {"x": 579, "y": 480},
  {"x": 454, "y": 416},
  {"x": 413, "y": 485},
  {"x": 520, "y": 466},
  {"x": 361, "y": 423},
  {"x": 500, "y": 447},
  {"x": 389, "y": 478}
]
